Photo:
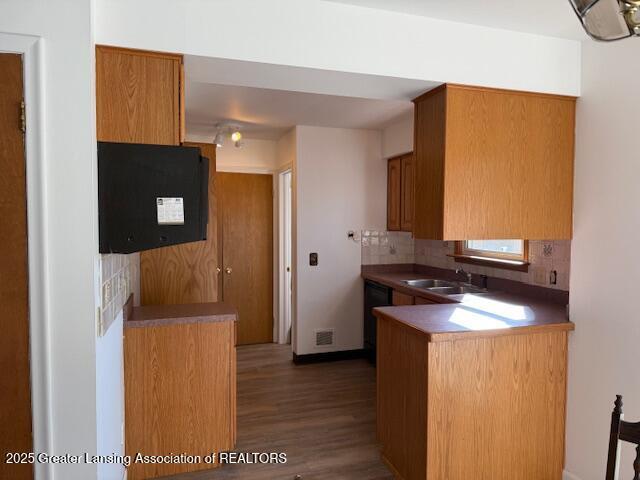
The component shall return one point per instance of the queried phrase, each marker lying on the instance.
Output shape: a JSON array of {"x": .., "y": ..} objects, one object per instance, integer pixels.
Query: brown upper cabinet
[
  {"x": 400, "y": 172},
  {"x": 493, "y": 164},
  {"x": 139, "y": 96},
  {"x": 140, "y": 99}
]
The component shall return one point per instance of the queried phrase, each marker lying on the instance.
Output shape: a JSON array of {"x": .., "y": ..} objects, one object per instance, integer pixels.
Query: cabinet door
[
  {"x": 509, "y": 165},
  {"x": 138, "y": 97},
  {"x": 399, "y": 299},
  {"x": 394, "y": 189},
  {"x": 407, "y": 193}
]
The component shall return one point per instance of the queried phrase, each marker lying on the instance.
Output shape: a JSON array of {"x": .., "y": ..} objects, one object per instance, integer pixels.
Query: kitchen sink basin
[
  {"x": 443, "y": 287},
  {"x": 429, "y": 283},
  {"x": 457, "y": 290}
]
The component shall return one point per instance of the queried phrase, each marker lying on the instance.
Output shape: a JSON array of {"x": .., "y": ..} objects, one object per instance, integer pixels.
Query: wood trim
[
  {"x": 182, "y": 119},
  {"x": 459, "y": 86},
  {"x": 491, "y": 262},
  {"x": 146, "y": 53}
]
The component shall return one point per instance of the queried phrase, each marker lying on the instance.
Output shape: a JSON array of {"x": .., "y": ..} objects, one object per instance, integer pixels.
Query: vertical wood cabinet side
[
  {"x": 429, "y": 158},
  {"x": 402, "y": 399},
  {"x": 407, "y": 193},
  {"x": 394, "y": 186}
]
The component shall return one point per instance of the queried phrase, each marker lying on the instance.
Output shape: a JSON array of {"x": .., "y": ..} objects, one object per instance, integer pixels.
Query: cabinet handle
[
  {"x": 228, "y": 271},
  {"x": 218, "y": 269}
]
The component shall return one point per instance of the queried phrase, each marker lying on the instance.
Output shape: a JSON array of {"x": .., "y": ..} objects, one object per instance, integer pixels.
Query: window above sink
[{"x": 507, "y": 254}]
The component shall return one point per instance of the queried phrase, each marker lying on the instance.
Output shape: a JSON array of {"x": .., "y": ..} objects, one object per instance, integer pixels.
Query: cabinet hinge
[{"x": 23, "y": 118}]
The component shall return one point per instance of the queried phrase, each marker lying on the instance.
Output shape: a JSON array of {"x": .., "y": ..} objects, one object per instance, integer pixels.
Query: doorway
[
  {"x": 245, "y": 246},
  {"x": 15, "y": 376},
  {"x": 286, "y": 275}
]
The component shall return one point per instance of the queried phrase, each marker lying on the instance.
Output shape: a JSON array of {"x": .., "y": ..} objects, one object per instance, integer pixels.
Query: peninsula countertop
[
  {"x": 471, "y": 315},
  {"x": 158, "y": 315}
]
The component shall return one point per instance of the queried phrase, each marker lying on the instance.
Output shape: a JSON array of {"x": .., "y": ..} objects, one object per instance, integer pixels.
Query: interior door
[
  {"x": 245, "y": 225},
  {"x": 15, "y": 389},
  {"x": 288, "y": 278}
]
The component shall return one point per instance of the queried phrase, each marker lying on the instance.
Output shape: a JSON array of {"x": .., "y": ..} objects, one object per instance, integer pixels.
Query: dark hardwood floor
[{"x": 321, "y": 415}]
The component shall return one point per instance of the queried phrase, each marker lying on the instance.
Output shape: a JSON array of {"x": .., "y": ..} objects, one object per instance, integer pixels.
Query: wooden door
[
  {"x": 406, "y": 223},
  {"x": 394, "y": 187},
  {"x": 15, "y": 390},
  {"x": 185, "y": 273},
  {"x": 245, "y": 218}
]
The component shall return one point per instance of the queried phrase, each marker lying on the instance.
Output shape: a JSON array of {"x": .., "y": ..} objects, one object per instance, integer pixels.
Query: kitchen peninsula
[{"x": 472, "y": 388}]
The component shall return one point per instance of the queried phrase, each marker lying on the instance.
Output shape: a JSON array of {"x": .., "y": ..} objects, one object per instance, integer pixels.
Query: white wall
[
  {"x": 340, "y": 186},
  {"x": 384, "y": 43},
  {"x": 67, "y": 163},
  {"x": 110, "y": 399},
  {"x": 603, "y": 350},
  {"x": 255, "y": 155},
  {"x": 397, "y": 138}
]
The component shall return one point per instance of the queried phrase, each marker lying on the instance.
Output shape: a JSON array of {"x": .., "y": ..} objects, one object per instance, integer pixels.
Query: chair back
[{"x": 627, "y": 432}]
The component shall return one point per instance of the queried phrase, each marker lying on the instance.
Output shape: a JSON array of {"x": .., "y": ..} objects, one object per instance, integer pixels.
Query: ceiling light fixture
[
  {"x": 224, "y": 130},
  {"x": 608, "y": 20},
  {"x": 219, "y": 140}
]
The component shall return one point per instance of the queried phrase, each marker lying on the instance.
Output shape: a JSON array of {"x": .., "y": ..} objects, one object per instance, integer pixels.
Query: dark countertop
[
  {"x": 159, "y": 315},
  {"x": 470, "y": 315}
]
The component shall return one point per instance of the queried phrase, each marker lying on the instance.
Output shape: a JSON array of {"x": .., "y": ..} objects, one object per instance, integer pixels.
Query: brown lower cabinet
[
  {"x": 488, "y": 407},
  {"x": 398, "y": 299},
  {"x": 180, "y": 391}
]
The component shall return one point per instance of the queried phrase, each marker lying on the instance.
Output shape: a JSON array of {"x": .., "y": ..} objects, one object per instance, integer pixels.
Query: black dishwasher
[{"x": 375, "y": 295}]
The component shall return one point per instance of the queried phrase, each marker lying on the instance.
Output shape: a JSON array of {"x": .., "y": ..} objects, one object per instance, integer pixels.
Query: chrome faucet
[{"x": 460, "y": 271}]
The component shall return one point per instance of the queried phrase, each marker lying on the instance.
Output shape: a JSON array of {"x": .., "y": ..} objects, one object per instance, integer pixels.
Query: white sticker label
[{"x": 170, "y": 210}]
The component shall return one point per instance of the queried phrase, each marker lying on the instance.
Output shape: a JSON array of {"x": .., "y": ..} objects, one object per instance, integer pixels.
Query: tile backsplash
[
  {"x": 120, "y": 278},
  {"x": 380, "y": 247}
]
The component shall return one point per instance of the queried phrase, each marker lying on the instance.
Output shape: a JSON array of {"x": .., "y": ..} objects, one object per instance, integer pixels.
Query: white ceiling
[
  {"x": 267, "y": 114},
  {"x": 267, "y": 100},
  {"x": 553, "y": 18}
]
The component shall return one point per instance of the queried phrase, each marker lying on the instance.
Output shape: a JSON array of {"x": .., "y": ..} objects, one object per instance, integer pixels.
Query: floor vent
[{"x": 324, "y": 338}]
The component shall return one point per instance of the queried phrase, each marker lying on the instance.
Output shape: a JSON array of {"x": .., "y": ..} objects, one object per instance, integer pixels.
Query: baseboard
[
  {"x": 569, "y": 476},
  {"x": 328, "y": 356}
]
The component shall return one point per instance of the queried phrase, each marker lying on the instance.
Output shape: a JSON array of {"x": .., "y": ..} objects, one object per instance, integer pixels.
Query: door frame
[
  {"x": 283, "y": 298},
  {"x": 31, "y": 49}
]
